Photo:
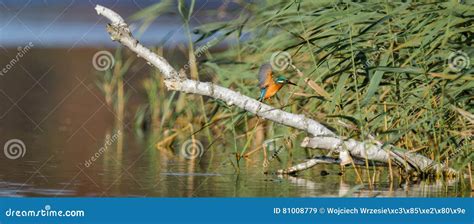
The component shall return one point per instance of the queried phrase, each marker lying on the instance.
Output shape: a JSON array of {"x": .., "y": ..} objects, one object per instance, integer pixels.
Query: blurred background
[{"x": 82, "y": 116}]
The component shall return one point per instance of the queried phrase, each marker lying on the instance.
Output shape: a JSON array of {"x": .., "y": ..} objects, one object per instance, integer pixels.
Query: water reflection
[
  {"x": 25, "y": 190},
  {"x": 423, "y": 188}
]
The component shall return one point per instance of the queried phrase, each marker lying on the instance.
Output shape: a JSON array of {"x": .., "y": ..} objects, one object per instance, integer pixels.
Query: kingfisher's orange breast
[{"x": 272, "y": 90}]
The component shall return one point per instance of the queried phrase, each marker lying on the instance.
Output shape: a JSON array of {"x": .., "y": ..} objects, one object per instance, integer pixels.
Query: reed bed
[{"x": 398, "y": 73}]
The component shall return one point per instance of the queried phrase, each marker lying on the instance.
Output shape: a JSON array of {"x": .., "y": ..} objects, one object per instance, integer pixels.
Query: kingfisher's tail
[{"x": 262, "y": 94}]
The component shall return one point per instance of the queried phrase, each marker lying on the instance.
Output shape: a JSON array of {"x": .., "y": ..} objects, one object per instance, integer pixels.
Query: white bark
[
  {"x": 306, "y": 165},
  {"x": 323, "y": 160},
  {"x": 322, "y": 137}
]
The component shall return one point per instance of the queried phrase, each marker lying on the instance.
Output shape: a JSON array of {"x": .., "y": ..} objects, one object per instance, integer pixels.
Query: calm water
[{"x": 54, "y": 107}]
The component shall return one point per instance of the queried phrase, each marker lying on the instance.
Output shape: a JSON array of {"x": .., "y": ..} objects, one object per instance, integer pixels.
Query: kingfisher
[{"x": 268, "y": 86}]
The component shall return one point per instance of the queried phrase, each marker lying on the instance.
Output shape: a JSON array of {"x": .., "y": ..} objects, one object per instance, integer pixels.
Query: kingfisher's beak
[{"x": 291, "y": 83}]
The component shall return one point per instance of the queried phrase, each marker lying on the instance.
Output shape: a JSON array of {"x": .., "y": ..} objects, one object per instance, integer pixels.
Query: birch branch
[
  {"x": 308, "y": 164},
  {"x": 322, "y": 137},
  {"x": 323, "y": 160}
]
